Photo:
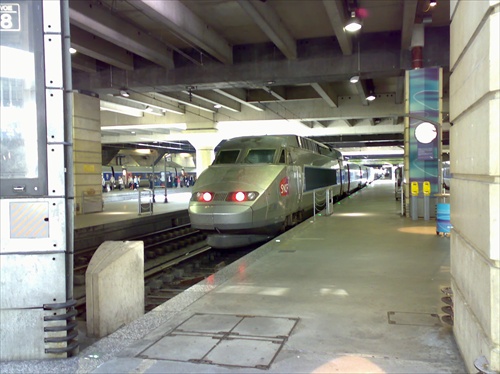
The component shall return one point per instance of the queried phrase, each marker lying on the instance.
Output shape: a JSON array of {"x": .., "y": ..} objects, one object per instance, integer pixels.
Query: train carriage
[{"x": 259, "y": 185}]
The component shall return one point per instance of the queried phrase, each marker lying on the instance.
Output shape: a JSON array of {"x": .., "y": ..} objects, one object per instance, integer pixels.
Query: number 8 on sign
[{"x": 9, "y": 17}]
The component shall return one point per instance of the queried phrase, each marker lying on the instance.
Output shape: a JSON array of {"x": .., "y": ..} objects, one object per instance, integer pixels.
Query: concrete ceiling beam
[
  {"x": 186, "y": 100},
  {"x": 147, "y": 100},
  {"x": 93, "y": 18},
  {"x": 362, "y": 91},
  {"x": 215, "y": 98},
  {"x": 239, "y": 95},
  {"x": 178, "y": 18},
  {"x": 327, "y": 93},
  {"x": 270, "y": 23},
  {"x": 400, "y": 90},
  {"x": 100, "y": 49},
  {"x": 409, "y": 14},
  {"x": 83, "y": 63},
  {"x": 336, "y": 14},
  {"x": 277, "y": 92}
]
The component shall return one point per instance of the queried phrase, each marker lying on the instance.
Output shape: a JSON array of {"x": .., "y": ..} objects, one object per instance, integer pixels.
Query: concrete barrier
[{"x": 114, "y": 286}]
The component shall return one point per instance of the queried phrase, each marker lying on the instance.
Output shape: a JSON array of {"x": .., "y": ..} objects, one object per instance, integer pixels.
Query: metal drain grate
[
  {"x": 242, "y": 341},
  {"x": 413, "y": 319}
]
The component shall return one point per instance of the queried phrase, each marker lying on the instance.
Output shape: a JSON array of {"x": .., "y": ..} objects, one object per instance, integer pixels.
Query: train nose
[{"x": 218, "y": 217}]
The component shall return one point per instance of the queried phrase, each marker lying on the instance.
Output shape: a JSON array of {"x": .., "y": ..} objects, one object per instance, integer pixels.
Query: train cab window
[
  {"x": 260, "y": 156},
  {"x": 227, "y": 157},
  {"x": 282, "y": 157}
]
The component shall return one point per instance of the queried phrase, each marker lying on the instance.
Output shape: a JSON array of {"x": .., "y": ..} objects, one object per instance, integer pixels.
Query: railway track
[{"x": 174, "y": 260}]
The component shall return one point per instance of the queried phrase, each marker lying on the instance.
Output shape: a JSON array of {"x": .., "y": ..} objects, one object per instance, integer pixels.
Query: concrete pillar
[
  {"x": 87, "y": 153},
  {"x": 475, "y": 186},
  {"x": 204, "y": 137}
]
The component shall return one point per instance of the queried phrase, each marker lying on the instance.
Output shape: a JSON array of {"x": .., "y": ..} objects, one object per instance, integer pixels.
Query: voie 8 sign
[{"x": 10, "y": 17}]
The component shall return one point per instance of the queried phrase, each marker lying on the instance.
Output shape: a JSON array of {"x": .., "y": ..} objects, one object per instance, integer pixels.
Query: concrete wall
[
  {"x": 475, "y": 187},
  {"x": 87, "y": 153}
]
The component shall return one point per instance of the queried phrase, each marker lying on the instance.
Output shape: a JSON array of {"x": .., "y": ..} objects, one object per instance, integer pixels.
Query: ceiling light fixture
[
  {"x": 72, "y": 50},
  {"x": 354, "y": 23},
  {"x": 354, "y": 79},
  {"x": 371, "y": 96},
  {"x": 124, "y": 93},
  {"x": 432, "y": 4},
  {"x": 217, "y": 106}
]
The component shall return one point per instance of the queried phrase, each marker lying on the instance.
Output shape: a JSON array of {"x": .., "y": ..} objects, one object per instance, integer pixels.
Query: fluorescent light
[
  {"x": 154, "y": 111},
  {"x": 122, "y": 109},
  {"x": 145, "y": 102}
]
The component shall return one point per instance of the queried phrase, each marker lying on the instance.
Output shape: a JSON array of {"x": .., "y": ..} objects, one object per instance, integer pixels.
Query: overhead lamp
[
  {"x": 354, "y": 23},
  {"x": 124, "y": 93},
  {"x": 72, "y": 50},
  {"x": 354, "y": 79},
  {"x": 217, "y": 106},
  {"x": 371, "y": 96},
  {"x": 432, "y": 4}
]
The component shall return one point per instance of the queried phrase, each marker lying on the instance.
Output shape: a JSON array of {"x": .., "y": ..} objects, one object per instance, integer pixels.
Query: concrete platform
[
  {"x": 124, "y": 205},
  {"x": 358, "y": 291}
]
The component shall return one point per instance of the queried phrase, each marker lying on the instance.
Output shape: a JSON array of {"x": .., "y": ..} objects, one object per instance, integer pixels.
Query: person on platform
[{"x": 120, "y": 183}]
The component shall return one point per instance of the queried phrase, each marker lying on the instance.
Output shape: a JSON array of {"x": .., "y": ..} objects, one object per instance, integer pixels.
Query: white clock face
[{"x": 425, "y": 132}]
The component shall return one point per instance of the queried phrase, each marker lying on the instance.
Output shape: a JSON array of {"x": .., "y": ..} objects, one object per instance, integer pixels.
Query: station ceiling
[{"x": 194, "y": 66}]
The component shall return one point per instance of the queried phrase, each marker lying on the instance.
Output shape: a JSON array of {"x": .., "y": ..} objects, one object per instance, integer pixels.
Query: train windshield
[
  {"x": 260, "y": 156},
  {"x": 227, "y": 157}
]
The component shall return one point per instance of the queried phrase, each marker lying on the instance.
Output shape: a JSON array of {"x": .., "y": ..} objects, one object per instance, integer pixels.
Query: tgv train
[{"x": 258, "y": 186}]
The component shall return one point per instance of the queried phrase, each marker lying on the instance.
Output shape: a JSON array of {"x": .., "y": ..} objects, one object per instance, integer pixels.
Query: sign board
[{"x": 10, "y": 18}]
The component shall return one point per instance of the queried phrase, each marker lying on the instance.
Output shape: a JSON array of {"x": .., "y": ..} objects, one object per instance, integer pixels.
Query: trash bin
[
  {"x": 443, "y": 224},
  {"x": 145, "y": 201}
]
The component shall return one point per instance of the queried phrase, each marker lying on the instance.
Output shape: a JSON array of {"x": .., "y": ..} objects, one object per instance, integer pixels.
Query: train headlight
[
  {"x": 240, "y": 196},
  {"x": 204, "y": 197},
  {"x": 252, "y": 195}
]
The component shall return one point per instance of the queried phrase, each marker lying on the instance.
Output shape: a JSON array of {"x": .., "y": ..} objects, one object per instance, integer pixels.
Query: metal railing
[
  {"x": 145, "y": 201},
  {"x": 323, "y": 200}
]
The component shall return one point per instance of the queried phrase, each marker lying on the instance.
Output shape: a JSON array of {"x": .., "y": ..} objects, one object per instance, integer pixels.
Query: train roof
[
  {"x": 278, "y": 141},
  {"x": 273, "y": 141}
]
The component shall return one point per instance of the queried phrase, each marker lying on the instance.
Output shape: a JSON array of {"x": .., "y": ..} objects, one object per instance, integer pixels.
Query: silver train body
[{"x": 258, "y": 186}]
